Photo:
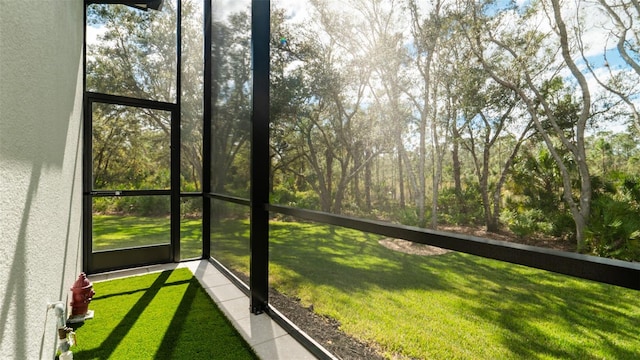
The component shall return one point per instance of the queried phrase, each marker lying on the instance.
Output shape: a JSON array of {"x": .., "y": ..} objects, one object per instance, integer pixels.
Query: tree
[
  {"x": 336, "y": 138},
  {"x": 384, "y": 41},
  {"x": 521, "y": 59},
  {"x": 622, "y": 82},
  {"x": 231, "y": 101},
  {"x": 484, "y": 133},
  {"x": 136, "y": 56},
  {"x": 426, "y": 34}
]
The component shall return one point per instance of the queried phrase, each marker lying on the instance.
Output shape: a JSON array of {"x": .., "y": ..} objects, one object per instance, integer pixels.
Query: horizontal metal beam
[
  {"x": 610, "y": 271},
  {"x": 128, "y": 101},
  {"x": 104, "y": 193},
  {"x": 138, "y": 4},
  {"x": 108, "y": 260},
  {"x": 228, "y": 198}
]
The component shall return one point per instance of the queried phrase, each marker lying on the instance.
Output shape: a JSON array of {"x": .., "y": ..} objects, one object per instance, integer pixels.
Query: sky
[{"x": 593, "y": 20}]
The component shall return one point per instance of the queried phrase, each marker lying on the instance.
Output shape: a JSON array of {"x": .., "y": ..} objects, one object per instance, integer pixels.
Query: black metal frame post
[
  {"x": 259, "y": 238},
  {"x": 86, "y": 158},
  {"x": 206, "y": 134},
  {"x": 87, "y": 183},
  {"x": 176, "y": 139}
]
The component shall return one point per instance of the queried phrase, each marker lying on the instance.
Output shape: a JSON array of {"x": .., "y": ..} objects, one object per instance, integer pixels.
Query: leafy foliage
[
  {"x": 461, "y": 210},
  {"x": 614, "y": 229},
  {"x": 364, "y": 124},
  {"x": 526, "y": 222}
]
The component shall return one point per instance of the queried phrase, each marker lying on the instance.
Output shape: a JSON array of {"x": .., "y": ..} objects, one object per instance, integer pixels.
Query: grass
[
  {"x": 452, "y": 306},
  {"x": 157, "y": 316},
  {"x": 116, "y": 232}
]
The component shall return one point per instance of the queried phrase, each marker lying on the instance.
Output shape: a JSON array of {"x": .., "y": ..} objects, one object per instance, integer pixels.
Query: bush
[
  {"x": 525, "y": 222},
  {"x": 408, "y": 216},
  {"x": 562, "y": 225},
  {"x": 149, "y": 205},
  {"x": 614, "y": 228},
  {"x": 464, "y": 210},
  {"x": 133, "y": 205},
  {"x": 300, "y": 199}
]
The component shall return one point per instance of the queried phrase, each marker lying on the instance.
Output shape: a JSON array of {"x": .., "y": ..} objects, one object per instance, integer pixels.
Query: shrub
[
  {"x": 463, "y": 210},
  {"x": 301, "y": 199},
  {"x": 525, "y": 222},
  {"x": 150, "y": 205},
  {"x": 614, "y": 228},
  {"x": 408, "y": 216}
]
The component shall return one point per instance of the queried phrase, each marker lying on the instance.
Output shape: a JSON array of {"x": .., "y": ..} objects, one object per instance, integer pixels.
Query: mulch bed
[{"x": 326, "y": 331}]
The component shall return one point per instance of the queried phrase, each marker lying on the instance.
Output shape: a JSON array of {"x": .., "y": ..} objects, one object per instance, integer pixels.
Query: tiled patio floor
[{"x": 268, "y": 339}]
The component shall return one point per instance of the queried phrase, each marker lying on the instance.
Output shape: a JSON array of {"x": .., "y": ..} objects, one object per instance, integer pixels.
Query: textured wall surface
[{"x": 40, "y": 169}]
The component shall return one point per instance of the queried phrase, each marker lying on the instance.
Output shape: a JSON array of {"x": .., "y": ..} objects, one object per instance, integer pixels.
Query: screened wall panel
[
  {"x": 230, "y": 237},
  {"x": 190, "y": 228},
  {"x": 231, "y": 98},
  {"x": 131, "y": 148},
  {"x": 192, "y": 77},
  {"x": 121, "y": 222},
  {"x": 137, "y": 59},
  {"x": 420, "y": 302},
  {"x": 436, "y": 115}
]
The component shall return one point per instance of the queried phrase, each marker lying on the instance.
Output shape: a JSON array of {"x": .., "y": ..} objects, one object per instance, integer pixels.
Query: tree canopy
[{"x": 511, "y": 116}]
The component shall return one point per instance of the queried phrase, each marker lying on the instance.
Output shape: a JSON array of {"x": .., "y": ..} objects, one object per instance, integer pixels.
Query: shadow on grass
[
  {"x": 542, "y": 314},
  {"x": 483, "y": 308},
  {"x": 131, "y": 292},
  {"x": 176, "y": 326},
  {"x": 197, "y": 332},
  {"x": 172, "y": 318},
  {"x": 108, "y": 346}
]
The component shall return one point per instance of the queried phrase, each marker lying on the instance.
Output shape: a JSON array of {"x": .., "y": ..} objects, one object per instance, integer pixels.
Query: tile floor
[{"x": 267, "y": 338}]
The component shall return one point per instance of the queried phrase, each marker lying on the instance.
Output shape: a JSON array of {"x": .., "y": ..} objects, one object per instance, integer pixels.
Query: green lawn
[
  {"x": 452, "y": 306},
  {"x": 116, "y": 232},
  {"x": 157, "y": 316}
]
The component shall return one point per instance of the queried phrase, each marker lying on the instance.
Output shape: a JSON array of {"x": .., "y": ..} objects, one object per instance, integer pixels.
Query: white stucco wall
[{"x": 40, "y": 168}]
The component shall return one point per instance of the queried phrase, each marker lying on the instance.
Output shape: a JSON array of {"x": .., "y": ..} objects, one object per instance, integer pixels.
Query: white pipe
[
  {"x": 67, "y": 355},
  {"x": 59, "y": 308},
  {"x": 63, "y": 346}
]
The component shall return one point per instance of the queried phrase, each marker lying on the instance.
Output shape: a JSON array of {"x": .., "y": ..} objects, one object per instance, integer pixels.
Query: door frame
[{"x": 94, "y": 262}]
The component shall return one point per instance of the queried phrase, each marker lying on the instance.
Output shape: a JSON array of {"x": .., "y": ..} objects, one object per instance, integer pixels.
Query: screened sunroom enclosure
[
  {"x": 211, "y": 125},
  {"x": 149, "y": 76}
]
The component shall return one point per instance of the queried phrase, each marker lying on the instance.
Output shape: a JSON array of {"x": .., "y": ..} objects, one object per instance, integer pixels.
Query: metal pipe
[{"x": 63, "y": 331}]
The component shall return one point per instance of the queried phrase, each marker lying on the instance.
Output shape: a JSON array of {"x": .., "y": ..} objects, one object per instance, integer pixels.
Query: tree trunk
[
  {"x": 435, "y": 163},
  {"x": 367, "y": 183},
  {"x": 422, "y": 186},
  {"x": 401, "y": 173},
  {"x": 455, "y": 158},
  {"x": 357, "y": 160}
]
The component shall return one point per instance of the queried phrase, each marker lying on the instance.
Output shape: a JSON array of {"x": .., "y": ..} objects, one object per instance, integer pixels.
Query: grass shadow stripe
[
  {"x": 163, "y": 322},
  {"x": 200, "y": 330},
  {"x": 107, "y": 296},
  {"x": 108, "y": 346},
  {"x": 172, "y": 334}
]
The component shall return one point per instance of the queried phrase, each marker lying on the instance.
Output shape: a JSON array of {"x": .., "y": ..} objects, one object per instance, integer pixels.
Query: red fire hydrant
[{"x": 82, "y": 292}]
